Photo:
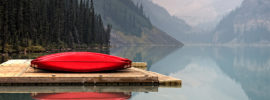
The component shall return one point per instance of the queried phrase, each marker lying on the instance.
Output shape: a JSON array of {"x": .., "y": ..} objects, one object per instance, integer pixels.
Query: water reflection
[
  {"x": 68, "y": 96},
  {"x": 250, "y": 67},
  {"x": 15, "y": 96},
  {"x": 235, "y": 73},
  {"x": 239, "y": 73},
  {"x": 72, "y": 92},
  {"x": 6, "y": 57},
  {"x": 149, "y": 54},
  {"x": 82, "y": 95}
]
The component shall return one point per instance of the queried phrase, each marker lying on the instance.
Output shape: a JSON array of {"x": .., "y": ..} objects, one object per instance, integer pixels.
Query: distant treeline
[{"x": 50, "y": 24}]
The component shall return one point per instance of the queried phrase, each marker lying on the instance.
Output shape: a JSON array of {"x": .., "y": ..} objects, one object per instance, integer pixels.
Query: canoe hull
[{"x": 80, "y": 62}]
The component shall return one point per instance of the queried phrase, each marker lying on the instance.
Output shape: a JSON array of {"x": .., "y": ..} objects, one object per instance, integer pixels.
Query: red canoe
[
  {"x": 82, "y": 96},
  {"x": 80, "y": 62}
]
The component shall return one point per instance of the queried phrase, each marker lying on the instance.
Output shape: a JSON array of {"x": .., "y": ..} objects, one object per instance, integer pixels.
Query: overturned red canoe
[
  {"x": 80, "y": 62},
  {"x": 82, "y": 96}
]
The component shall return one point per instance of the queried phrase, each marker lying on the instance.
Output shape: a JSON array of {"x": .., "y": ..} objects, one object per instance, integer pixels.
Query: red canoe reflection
[{"x": 82, "y": 96}]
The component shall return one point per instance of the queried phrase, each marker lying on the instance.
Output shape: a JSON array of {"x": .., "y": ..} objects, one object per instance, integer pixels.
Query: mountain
[
  {"x": 130, "y": 24},
  {"x": 163, "y": 20},
  {"x": 173, "y": 25},
  {"x": 248, "y": 24}
]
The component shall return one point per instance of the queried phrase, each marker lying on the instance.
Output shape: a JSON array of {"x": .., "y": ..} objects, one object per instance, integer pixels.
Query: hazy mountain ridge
[
  {"x": 154, "y": 37},
  {"x": 163, "y": 20},
  {"x": 248, "y": 24},
  {"x": 174, "y": 26},
  {"x": 130, "y": 25}
]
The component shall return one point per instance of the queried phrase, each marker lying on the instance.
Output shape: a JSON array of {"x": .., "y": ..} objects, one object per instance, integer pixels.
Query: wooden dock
[
  {"x": 19, "y": 73},
  {"x": 60, "y": 89}
]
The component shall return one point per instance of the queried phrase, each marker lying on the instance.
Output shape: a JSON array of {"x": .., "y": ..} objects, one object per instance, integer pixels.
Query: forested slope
[
  {"x": 28, "y": 24},
  {"x": 130, "y": 24}
]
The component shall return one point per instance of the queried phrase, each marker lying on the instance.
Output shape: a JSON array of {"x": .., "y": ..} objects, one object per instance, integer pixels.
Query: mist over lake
[{"x": 216, "y": 49}]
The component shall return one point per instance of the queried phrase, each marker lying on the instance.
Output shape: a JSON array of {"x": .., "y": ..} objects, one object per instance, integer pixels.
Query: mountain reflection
[
  {"x": 217, "y": 73},
  {"x": 208, "y": 73},
  {"x": 249, "y": 66},
  {"x": 7, "y": 56},
  {"x": 149, "y": 54}
]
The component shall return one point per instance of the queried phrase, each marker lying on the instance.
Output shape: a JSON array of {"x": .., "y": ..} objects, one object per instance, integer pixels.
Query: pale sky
[{"x": 196, "y": 12}]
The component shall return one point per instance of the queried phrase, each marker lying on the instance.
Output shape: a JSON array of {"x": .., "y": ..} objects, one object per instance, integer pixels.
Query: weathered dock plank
[
  {"x": 59, "y": 89},
  {"x": 19, "y": 72},
  {"x": 140, "y": 65}
]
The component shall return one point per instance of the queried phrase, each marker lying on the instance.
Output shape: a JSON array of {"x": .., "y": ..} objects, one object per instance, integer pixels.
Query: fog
[{"x": 197, "y": 12}]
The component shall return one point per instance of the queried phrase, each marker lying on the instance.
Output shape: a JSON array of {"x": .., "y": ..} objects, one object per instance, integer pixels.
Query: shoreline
[
  {"x": 91, "y": 48},
  {"x": 228, "y": 45},
  {"x": 56, "y": 50}
]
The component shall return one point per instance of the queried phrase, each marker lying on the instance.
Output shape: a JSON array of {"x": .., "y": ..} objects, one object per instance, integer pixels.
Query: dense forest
[{"x": 27, "y": 25}]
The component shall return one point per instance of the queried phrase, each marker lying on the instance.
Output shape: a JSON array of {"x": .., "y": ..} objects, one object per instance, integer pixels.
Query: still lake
[{"x": 208, "y": 73}]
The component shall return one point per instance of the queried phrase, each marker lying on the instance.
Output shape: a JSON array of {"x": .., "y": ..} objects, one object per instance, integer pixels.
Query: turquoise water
[{"x": 208, "y": 73}]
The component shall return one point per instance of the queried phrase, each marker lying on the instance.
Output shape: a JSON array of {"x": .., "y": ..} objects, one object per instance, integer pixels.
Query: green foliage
[
  {"x": 8, "y": 48},
  {"x": 35, "y": 49},
  {"x": 50, "y": 24}
]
